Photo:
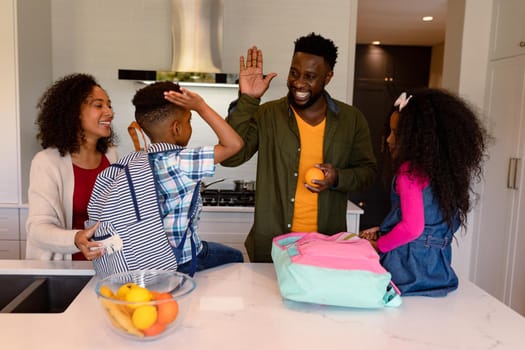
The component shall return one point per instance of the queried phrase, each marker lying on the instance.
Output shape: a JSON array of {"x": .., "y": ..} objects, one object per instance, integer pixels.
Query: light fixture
[
  {"x": 376, "y": 42},
  {"x": 427, "y": 18}
]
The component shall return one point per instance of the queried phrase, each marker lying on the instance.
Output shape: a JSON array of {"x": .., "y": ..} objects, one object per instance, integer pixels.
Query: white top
[
  {"x": 238, "y": 306},
  {"x": 50, "y": 193}
]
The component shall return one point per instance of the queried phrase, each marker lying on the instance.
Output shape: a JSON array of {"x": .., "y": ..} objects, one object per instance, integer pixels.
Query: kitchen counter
[{"x": 238, "y": 306}]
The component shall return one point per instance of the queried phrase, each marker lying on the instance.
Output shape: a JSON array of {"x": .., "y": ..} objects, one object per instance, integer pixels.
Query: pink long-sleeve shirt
[{"x": 410, "y": 188}]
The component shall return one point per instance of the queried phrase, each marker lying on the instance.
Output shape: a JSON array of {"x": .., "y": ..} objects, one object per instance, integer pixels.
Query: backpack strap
[
  {"x": 133, "y": 130},
  {"x": 192, "y": 212}
]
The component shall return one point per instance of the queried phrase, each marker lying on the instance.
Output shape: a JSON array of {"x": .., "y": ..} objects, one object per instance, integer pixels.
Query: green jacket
[{"x": 271, "y": 129}]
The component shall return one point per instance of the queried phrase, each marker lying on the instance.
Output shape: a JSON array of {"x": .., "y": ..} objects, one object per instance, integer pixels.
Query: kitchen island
[{"x": 238, "y": 306}]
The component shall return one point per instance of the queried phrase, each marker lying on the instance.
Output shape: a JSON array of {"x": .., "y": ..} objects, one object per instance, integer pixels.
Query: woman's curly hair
[
  {"x": 440, "y": 136},
  {"x": 58, "y": 119}
]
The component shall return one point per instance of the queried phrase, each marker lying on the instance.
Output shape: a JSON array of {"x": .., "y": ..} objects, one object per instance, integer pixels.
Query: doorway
[{"x": 381, "y": 74}]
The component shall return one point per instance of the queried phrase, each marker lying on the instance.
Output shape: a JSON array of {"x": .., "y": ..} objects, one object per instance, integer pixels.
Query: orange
[
  {"x": 156, "y": 329},
  {"x": 168, "y": 308},
  {"x": 313, "y": 174}
]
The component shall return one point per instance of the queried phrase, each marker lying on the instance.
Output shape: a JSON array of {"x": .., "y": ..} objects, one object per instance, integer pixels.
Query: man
[{"x": 307, "y": 128}]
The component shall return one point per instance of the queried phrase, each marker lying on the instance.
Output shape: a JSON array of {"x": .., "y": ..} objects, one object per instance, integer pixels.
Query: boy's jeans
[{"x": 213, "y": 254}]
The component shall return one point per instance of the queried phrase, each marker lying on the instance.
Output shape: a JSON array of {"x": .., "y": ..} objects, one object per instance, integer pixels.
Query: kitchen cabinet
[
  {"x": 9, "y": 180},
  {"x": 12, "y": 233},
  {"x": 25, "y": 68},
  {"x": 508, "y": 34},
  {"x": 230, "y": 225},
  {"x": 498, "y": 258}
]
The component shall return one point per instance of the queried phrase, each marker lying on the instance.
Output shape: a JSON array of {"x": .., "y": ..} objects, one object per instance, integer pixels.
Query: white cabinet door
[
  {"x": 9, "y": 179},
  {"x": 515, "y": 291},
  {"x": 508, "y": 34},
  {"x": 500, "y": 220}
]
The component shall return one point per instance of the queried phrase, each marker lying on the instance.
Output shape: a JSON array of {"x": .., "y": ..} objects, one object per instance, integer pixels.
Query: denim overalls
[{"x": 422, "y": 266}]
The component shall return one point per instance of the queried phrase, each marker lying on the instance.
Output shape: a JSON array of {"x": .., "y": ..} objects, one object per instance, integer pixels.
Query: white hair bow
[{"x": 402, "y": 101}]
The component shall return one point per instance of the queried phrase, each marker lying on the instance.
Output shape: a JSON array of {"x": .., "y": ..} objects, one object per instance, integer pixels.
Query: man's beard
[{"x": 313, "y": 99}]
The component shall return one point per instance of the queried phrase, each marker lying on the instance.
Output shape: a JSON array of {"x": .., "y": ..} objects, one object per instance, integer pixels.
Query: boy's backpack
[
  {"x": 124, "y": 200},
  {"x": 339, "y": 270}
]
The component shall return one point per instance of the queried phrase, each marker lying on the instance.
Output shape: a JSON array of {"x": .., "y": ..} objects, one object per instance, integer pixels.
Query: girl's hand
[
  {"x": 370, "y": 234},
  {"x": 91, "y": 250}
]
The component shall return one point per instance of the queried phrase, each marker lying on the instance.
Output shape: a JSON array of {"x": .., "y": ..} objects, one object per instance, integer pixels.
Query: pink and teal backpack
[{"x": 339, "y": 270}]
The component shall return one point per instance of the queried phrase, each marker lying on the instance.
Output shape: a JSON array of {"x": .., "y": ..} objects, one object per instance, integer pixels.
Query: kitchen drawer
[
  {"x": 9, "y": 249},
  {"x": 233, "y": 225},
  {"x": 9, "y": 226}
]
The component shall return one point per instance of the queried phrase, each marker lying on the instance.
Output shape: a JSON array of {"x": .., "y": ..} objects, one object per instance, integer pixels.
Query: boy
[{"x": 173, "y": 173}]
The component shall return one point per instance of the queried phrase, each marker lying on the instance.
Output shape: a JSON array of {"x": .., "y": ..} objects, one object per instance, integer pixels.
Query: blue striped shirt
[{"x": 176, "y": 175}]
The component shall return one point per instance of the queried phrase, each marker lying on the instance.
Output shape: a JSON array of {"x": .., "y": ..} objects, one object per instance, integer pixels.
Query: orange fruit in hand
[{"x": 313, "y": 174}]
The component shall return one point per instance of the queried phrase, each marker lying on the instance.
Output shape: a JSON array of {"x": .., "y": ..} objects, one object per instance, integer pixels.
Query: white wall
[
  {"x": 472, "y": 84},
  {"x": 101, "y": 36},
  {"x": 34, "y": 75}
]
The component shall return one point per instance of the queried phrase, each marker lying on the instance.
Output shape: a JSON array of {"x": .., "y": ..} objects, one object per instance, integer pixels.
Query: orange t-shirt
[{"x": 305, "y": 208}]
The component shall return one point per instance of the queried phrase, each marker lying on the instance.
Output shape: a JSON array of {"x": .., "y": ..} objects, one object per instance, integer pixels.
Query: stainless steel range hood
[{"x": 197, "y": 27}]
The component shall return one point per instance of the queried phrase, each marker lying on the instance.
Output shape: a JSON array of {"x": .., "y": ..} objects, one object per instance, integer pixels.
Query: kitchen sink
[{"x": 39, "y": 293}]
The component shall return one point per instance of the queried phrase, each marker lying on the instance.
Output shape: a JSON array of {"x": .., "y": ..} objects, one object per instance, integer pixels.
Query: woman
[{"x": 74, "y": 129}]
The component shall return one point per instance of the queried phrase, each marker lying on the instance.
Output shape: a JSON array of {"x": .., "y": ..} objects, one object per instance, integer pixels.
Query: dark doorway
[{"x": 381, "y": 74}]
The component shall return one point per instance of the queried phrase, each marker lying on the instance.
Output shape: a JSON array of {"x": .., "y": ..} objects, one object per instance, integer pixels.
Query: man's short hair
[{"x": 316, "y": 45}]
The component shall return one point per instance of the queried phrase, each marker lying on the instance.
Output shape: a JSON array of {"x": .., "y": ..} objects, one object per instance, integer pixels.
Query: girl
[
  {"x": 437, "y": 145},
  {"x": 74, "y": 129}
]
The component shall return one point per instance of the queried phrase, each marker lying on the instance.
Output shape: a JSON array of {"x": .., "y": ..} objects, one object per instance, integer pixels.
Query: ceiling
[{"x": 398, "y": 22}]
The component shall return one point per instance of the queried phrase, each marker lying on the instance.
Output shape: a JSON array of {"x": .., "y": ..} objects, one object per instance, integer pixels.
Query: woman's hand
[{"x": 91, "y": 250}]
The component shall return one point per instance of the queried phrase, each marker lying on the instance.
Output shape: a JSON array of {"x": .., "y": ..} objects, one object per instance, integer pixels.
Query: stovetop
[{"x": 228, "y": 198}]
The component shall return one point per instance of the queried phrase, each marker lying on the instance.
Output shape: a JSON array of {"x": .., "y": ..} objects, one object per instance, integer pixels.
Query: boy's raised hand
[
  {"x": 186, "y": 99},
  {"x": 251, "y": 79}
]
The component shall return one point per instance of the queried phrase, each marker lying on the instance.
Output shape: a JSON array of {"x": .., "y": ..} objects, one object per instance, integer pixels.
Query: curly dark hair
[
  {"x": 317, "y": 45},
  {"x": 58, "y": 118},
  {"x": 151, "y": 106},
  {"x": 441, "y": 137}
]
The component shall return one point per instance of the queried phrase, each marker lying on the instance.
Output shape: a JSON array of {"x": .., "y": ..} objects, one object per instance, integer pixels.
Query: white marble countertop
[{"x": 238, "y": 306}]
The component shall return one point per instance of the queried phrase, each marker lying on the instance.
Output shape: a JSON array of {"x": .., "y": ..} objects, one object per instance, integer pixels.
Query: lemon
[
  {"x": 144, "y": 316},
  {"x": 124, "y": 289},
  {"x": 138, "y": 294}
]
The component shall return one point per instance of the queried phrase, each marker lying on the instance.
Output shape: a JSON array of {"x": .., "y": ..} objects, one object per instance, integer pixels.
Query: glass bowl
[{"x": 145, "y": 304}]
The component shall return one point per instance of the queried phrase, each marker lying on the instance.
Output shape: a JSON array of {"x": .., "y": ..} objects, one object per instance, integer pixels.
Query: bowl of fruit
[{"x": 145, "y": 304}]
